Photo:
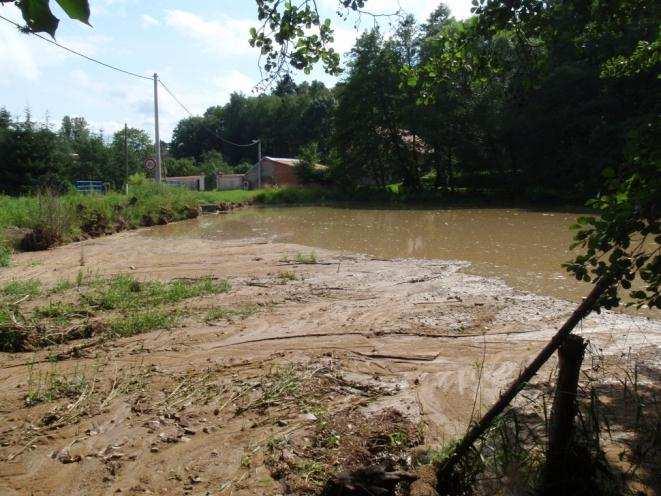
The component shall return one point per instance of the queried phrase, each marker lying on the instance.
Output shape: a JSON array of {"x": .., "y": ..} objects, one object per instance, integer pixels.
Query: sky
[{"x": 199, "y": 49}]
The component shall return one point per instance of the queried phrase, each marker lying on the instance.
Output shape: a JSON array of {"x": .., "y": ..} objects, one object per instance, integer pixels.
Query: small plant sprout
[{"x": 306, "y": 258}]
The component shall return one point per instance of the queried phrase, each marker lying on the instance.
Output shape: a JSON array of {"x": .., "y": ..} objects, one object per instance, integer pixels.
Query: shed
[
  {"x": 274, "y": 172},
  {"x": 231, "y": 181},
  {"x": 195, "y": 183}
]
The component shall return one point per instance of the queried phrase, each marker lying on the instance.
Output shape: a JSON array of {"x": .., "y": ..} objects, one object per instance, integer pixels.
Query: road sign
[{"x": 150, "y": 164}]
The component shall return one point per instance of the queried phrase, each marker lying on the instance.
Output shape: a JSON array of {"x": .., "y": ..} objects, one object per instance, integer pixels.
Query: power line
[
  {"x": 129, "y": 73},
  {"x": 213, "y": 131},
  {"x": 70, "y": 50},
  {"x": 175, "y": 98}
]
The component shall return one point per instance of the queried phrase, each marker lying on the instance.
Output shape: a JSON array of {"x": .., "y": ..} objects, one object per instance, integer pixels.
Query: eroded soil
[{"x": 343, "y": 359}]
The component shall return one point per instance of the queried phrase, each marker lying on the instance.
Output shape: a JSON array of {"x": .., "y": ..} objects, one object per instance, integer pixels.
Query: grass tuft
[
  {"x": 28, "y": 287},
  {"x": 5, "y": 255},
  {"x": 52, "y": 385},
  {"x": 61, "y": 286},
  {"x": 222, "y": 313},
  {"x": 142, "y": 322},
  {"x": 127, "y": 293},
  {"x": 306, "y": 258}
]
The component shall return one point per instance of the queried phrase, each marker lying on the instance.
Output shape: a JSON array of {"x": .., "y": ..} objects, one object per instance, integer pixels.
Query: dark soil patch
[
  {"x": 348, "y": 450},
  {"x": 41, "y": 238},
  {"x": 95, "y": 224}
]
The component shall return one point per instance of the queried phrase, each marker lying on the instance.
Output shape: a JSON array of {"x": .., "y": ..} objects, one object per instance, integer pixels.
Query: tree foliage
[
  {"x": 288, "y": 118},
  {"x": 33, "y": 156},
  {"x": 39, "y": 18}
]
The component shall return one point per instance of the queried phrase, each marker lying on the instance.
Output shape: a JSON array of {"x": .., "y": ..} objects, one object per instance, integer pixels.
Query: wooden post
[
  {"x": 563, "y": 415},
  {"x": 446, "y": 468}
]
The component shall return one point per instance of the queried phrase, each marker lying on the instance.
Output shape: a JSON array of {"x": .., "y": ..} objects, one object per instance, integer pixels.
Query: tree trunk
[
  {"x": 446, "y": 469},
  {"x": 563, "y": 414}
]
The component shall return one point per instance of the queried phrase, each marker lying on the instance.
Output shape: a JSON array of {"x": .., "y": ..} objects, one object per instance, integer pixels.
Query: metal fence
[{"x": 89, "y": 187}]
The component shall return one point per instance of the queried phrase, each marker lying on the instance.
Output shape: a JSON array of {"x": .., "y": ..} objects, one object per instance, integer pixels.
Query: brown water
[{"x": 525, "y": 248}]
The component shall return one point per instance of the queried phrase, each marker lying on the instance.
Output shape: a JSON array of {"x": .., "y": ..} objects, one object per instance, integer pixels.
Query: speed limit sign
[{"x": 150, "y": 164}]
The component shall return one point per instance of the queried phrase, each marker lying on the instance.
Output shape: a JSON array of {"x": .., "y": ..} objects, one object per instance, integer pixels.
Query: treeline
[
  {"x": 530, "y": 99},
  {"x": 34, "y": 156},
  {"x": 288, "y": 118}
]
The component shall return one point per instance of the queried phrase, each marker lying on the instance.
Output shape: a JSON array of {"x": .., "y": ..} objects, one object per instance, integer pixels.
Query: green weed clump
[
  {"x": 127, "y": 293},
  {"x": 57, "y": 310},
  {"x": 306, "y": 258},
  {"x": 110, "y": 308},
  {"x": 61, "y": 286},
  {"x": 142, "y": 322},
  {"x": 5, "y": 255},
  {"x": 222, "y": 313},
  {"x": 20, "y": 288},
  {"x": 292, "y": 196}
]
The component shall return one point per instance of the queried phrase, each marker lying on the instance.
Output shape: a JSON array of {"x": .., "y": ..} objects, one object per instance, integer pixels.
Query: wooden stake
[
  {"x": 563, "y": 415},
  {"x": 583, "y": 310}
]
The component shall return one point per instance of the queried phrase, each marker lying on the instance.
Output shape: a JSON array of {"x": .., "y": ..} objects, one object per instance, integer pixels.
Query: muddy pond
[{"x": 525, "y": 248}]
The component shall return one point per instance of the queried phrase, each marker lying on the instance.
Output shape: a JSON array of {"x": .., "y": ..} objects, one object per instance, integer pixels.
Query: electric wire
[
  {"x": 129, "y": 73},
  {"x": 71, "y": 50},
  {"x": 213, "y": 131}
]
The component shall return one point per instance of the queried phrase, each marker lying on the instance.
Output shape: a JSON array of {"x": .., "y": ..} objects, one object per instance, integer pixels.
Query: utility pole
[
  {"x": 259, "y": 164},
  {"x": 157, "y": 137},
  {"x": 126, "y": 155}
]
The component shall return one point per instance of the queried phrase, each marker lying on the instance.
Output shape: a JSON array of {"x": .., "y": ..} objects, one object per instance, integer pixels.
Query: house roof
[
  {"x": 286, "y": 161},
  {"x": 291, "y": 162},
  {"x": 411, "y": 140}
]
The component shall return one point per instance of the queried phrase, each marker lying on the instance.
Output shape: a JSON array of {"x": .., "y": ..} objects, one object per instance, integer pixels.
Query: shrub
[
  {"x": 307, "y": 167},
  {"x": 51, "y": 222},
  {"x": 291, "y": 195}
]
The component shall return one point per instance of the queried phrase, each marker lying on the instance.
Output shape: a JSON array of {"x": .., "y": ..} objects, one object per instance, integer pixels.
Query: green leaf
[
  {"x": 76, "y": 9},
  {"x": 38, "y": 16}
]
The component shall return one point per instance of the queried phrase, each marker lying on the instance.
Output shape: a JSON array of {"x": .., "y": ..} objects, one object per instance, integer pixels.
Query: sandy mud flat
[{"x": 313, "y": 362}]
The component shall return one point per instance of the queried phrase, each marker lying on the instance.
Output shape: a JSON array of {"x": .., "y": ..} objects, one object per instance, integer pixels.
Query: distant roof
[
  {"x": 292, "y": 162},
  {"x": 286, "y": 161},
  {"x": 411, "y": 140}
]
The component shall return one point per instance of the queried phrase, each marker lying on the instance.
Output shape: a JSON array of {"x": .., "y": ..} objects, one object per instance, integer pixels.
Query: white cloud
[
  {"x": 226, "y": 36},
  {"x": 233, "y": 82},
  {"x": 108, "y": 128},
  {"x": 16, "y": 56},
  {"x": 148, "y": 21}
]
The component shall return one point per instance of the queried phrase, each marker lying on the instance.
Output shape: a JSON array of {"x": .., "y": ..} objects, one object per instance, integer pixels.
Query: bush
[
  {"x": 307, "y": 167},
  {"x": 52, "y": 222},
  {"x": 55, "y": 219},
  {"x": 291, "y": 196}
]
